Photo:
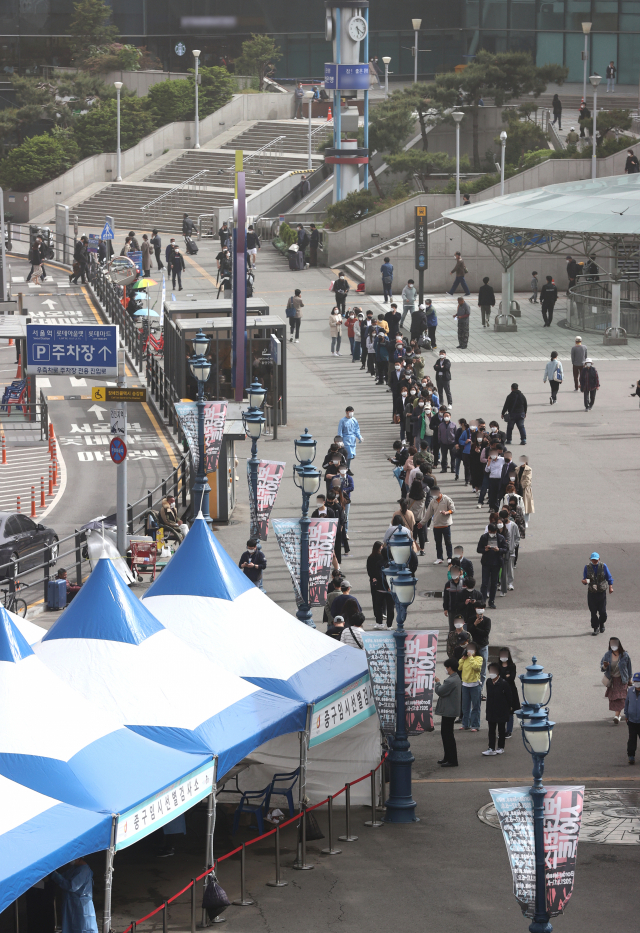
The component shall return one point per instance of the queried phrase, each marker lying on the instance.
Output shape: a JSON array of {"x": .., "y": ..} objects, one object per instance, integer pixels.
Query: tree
[
  {"x": 96, "y": 131},
  {"x": 216, "y": 89},
  {"x": 391, "y": 124},
  {"x": 35, "y": 161},
  {"x": 501, "y": 76},
  {"x": 350, "y": 209},
  {"x": 171, "y": 101},
  {"x": 90, "y": 27},
  {"x": 429, "y": 112},
  {"x": 522, "y": 137},
  {"x": 258, "y": 54},
  {"x": 424, "y": 164}
]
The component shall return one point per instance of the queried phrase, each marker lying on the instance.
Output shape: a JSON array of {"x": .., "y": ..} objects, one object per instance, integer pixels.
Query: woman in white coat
[
  {"x": 554, "y": 373},
  {"x": 335, "y": 327}
]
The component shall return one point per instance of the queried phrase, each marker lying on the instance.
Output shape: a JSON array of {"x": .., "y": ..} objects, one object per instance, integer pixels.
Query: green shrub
[
  {"x": 37, "y": 160},
  {"x": 171, "y": 101},
  {"x": 350, "y": 209},
  {"x": 287, "y": 234},
  {"x": 96, "y": 131}
]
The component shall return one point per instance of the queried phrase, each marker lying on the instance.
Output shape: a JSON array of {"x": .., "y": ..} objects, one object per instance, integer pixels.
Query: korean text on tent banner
[
  {"x": 214, "y": 419},
  {"x": 419, "y": 668},
  {"x": 562, "y": 816},
  {"x": 380, "y": 648},
  {"x": 322, "y": 535},
  {"x": 270, "y": 474},
  {"x": 341, "y": 711}
]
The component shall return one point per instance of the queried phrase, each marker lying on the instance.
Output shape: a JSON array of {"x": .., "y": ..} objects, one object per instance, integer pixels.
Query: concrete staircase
[
  {"x": 220, "y": 166},
  {"x": 124, "y": 203},
  {"x": 295, "y": 131},
  {"x": 355, "y": 265}
]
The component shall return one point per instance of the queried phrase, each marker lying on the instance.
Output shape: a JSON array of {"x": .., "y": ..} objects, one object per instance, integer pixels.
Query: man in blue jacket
[
  {"x": 386, "y": 270},
  {"x": 632, "y": 715},
  {"x": 598, "y": 579}
]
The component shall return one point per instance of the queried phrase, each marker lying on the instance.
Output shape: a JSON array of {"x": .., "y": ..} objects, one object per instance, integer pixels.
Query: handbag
[
  {"x": 606, "y": 681},
  {"x": 290, "y": 311},
  {"x": 214, "y": 898}
]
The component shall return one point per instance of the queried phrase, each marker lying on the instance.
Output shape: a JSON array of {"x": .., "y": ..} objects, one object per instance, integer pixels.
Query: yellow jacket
[{"x": 470, "y": 668}]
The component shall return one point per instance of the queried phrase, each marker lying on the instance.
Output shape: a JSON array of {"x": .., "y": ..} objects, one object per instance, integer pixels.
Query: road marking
[
  {"x": 78, "y": 383},
  {"x": 42, "y": 382},
  {"x": 91, "y": 305},
  {"x": 97, "y": 410},
  {"x": 204, "y": 272},
  {"x": 50, "y": 304},
  {"x": 161, "y": 435}
]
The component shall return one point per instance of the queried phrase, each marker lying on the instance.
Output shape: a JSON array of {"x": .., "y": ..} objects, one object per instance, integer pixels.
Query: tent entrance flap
[{"x": 164, "y": 807}]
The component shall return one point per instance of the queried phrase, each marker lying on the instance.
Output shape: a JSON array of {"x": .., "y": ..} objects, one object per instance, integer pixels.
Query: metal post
[
  {"x": 540, "y": 922},
  {"x": 3, "y": 253},
  {"x": 193, "y": 905},
  {"x": 585, "y": 57},
  {"x": 504, "y": 148},
  {"x": 197, "y": 145},
  {"x": 118, "y": 85},
  {"x": 365, "y": 58},
  {"x": 337, "y": 116},
  {"x": 386, "y": 80},
  {"x": 301, "y": 856},
  {"x": 122, "y": 477},
  {"x": 330, "y": 850},
  {"x": 108, "y": 879},
  {"x": 244, "y": 900},
  {"x": 165, "y": 908},
  {"x": 301, "y": 863},
  {"x": 304, "y": 610},
  {"x": 208, "y": 858},
  {"x": 615, "y": 309},
  {"x": 420, "y": 286},
  {"x": 278, "y": 883},
  {"x": 415, "y": 61},
  {"x": 594, "y": 161},
  {"x": 201, "y": 485},
  {"x": 348, "y": 837},
  {"x": 458, "y": 165},
  {"x": 309, "y": 155},
  {"x": 373, "y": 821},
  {"x": 400, "y": 805}
]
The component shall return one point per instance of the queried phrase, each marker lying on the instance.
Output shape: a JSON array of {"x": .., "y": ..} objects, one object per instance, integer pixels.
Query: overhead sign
[
  {"x": 346, "y": 77},
  {"x": 119, "y": 422},
  {"x": 118, "y": 394},
  {"x": 72, "y": 350},
  {"x": 422, "y": 254},
  {"x": 107, "y": 232},
  {"x": 117, "y": 450}
]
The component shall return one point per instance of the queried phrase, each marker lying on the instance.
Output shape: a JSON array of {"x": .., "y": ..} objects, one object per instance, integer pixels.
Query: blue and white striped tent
[
  {"x": 110, "y": 648},
  {"x": 56, "y": 743}
]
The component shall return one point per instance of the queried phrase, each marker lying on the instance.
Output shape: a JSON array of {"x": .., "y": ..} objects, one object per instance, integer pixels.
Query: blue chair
[
  {"x": 252, "y": 801},
  {"x": 283, "y": 791}
]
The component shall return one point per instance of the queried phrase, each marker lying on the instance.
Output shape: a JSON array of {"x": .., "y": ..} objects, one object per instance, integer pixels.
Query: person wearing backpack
[
  {"x": 554, "y": 373},
  {"x": 386, "y": 270},
  {"x": 294, "y": 313},
  {"x": 459, "y": 270}
]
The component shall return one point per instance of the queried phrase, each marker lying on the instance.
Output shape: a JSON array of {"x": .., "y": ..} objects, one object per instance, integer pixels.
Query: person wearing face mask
[
  {"x": 449, "y": 698},
  {"x": 462, "y": 315},
  {"x": 495, "y": 434},
  {"x": 456, "y": 637},
  {"x": 479, "y": 629},
  {"x": 347, "y": 487},
  {"x": 446, "y": 441},
  {"x": 462, "y": 450},
  {"x": 350, "y": 321},
  {"x": 469, "y": 667},
  {"x": 453, "y": 597},
  {"x": 432, "y": 323},
  {"x": 397, "y": 381},
  {"x": 465, "y": 564},
  {"x": 440, "y": 510},
  {"x": 335, "y": 328},
  {"x": 382, "y": 352},
  {"x": 508, "y": 672},
  {"x": 632, "y": 715},
  {"x": 358, "y": 328},
  {"x": 493, "y": 469},
  {"x": 476, "y": 466},
  {"x": 418, "y": 323},
  {"x": 616, "y": 666},
  {"x": 419, "y": 416},
  {"x": 512, "y": 537},
  {"x": 524, "y": 476},
  {"x": 442, "y": 369},
  {"x": 370, "y": 345},
  {"x": 554, "y": 373},
  {"x": 341, "y": 290},
  {"x": 417, "y": 505},
  {"x": 336, "y": 451},
  {"x": 492, "y": 546},
  {"x": 434, "y": 424},
  {"x": 332, "y": 470},
  {"x": 252, "y": 562},
  {"x": 498, "y": 710},
  {"x": 598, "y": 579},
  {"x": 589, "y": 384},
  {"x": 349, "y": 431}
]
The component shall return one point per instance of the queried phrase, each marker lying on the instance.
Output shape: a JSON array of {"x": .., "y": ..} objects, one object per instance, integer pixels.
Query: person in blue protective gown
[
  {"x": 78, "y": 912},
  {"x": 349, "y": 431}
]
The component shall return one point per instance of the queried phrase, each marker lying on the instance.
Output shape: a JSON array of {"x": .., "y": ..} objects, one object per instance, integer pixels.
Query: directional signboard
[
  {"x": 72, "y": 350},
  {"x": 422, "y": 254},
  {"x": 117, "y": 449},
  {"x": 118, "y": 394},
  {"x": 346, "y": 77}
]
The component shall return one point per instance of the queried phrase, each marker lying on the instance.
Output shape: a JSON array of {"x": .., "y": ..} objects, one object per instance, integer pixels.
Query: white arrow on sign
[
  {"x": 50, "y": 304},
  {"x": 97, "y": 410}
]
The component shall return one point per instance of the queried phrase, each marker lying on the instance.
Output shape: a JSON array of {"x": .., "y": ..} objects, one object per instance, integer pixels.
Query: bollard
[
  {"x": 18, "y": 503},
  {"x": 373, "y": 821},
  {"x": 278, "y": 883},
  {"x": 42, "y": 499},
  {"x": 4, "y": 449},
  {"x": 330, "y": 850},
  {"x": 244, "y": 900},
  {"x": 50, "y": 480},
  {"x": 348, "y": 837},
  {"x": 55, "y": 471},
  {"x": 193, "y": 905},
  {"x": 300, "y": 863},
  {"x": 164, "y": 917},
  {"x": 133, "y": 926},
  {"x": 33, "y": 502}
]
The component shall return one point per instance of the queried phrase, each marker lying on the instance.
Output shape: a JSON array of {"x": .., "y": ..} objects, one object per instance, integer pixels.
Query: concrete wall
[
  {"x": 442, "y": 138},
  {"x": 141, "y": 81},
  {"x": 24, "y": 205}
]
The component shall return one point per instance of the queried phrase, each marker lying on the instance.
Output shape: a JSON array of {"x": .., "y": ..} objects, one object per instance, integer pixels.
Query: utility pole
[{"x": 121, "y": 507}]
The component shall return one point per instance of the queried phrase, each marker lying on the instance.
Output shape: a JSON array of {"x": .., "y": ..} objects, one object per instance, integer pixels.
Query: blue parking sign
[{"x": 72, "y": 350}]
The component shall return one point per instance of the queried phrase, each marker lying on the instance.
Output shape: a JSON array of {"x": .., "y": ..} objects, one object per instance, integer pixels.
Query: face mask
[
  {"x": 404, "y": 394},
  {"x": 470, "y": 652},
  {"x": 494, "y": 430},
  {"x": 420, "y": 404},
  {"x": 504, "y": 657},
  {"x": 398, "y": 368},
  {"x": 493, "y": 674},
  {"x": 447, "y": 419},
  {"x": 588, "y": 365},
  {"x": 340, "y": 443},
  {"x": 351, "y": 414},
  {"x": 456, "y": 578},
  {"x": 614, "y": 647},
  {"x": 458, "y": 625},
  {"x": 413, "y": 391},
  {"x": 343, "y": 472},
  {"x": 335, "y": 462},
  {"x": 251, "y": 550},
  {"x": 480, "y": 612},
  {"x": 500, "y": 525}
]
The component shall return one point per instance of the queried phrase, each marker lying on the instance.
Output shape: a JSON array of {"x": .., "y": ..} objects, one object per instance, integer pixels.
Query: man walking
[
  {"x": 303, "y": 242},
  {"x": 449, "y": 703},
  {"x": 386, "y": 270},
  {"x": 446, "y": 440},
  {"x": 442, "y": 370},
  {"x": 548, "y": 298},
  {"x": 252, "y": 562},
  {"x": 511, "y": 535},
  {"x": 440, "y": 509},
  {"x": 459, "y": 270},
  {"x": 514, "y": 411},
  {"x": 462, "y": 316},
  {"x": 409, "y": 295},
  {"x": 299, "y": 98},
  {"x": 589, "y": 384},
  {"x": 225, "y": 235},
  {"x": 156, "y": 243},
  {"x": 177, "y": 268},
  {"x": 572, "y": 271},
  {"x": 598, "y": 579},
  {"x": 253, "y": 245},
  {"x": 314, "y": 241},
  {"x": 486, "y": 300},
  {"x": 341, "y": 290},
  {"x": 578, "y": 356},
  {"x": 492, "y": 547},
  {"x": 631, "y": 714}
]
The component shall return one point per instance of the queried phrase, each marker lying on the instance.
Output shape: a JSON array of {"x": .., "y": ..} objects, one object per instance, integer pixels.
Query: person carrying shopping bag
[{"x": 554, "y": 373}]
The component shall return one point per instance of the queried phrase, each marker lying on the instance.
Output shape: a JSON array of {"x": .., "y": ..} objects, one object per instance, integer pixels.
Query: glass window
[
  {"x": 494, "y": 14},
  {"x": 551, "y": 15},
  {"x": 522, "y": 42},
  {"x": 578, "y": 12},
  {"x": 25, "y": 523},
  {"x": 605, "y": 15},
  {"x": 630, "y": 22},
  {"x": 549, "y": 49},
  {"x": 604, "y": 49},
  {"x": 13, "y": 527},
  {"x": 298, "y": 56},
  {"x": 493, "y": 42},
  {"x": 523, "y": 15},
  {"x": 472, "y": 13},
  {"x": 628, "y": 58},
  {"x": 574, "y": 47}
]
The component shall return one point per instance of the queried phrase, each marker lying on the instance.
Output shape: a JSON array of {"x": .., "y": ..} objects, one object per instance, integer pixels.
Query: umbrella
[
  {"x": 145, "y": 283},
  {"x": 144, "y": 312}
]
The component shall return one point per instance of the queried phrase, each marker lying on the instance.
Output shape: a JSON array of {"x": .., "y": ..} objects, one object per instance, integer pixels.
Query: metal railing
[
  {"x": 25, "y": 416},
  {"x": 172, "y": 199},
  {"x": 269, "y": 150},
  {"x": 269, "y": 227},
  {"x": 370, "y": 252},
  {"x": 207, "y": 225},
  {"x": 590, "y": 306},
  {"x": 163, "y": 391},
  {"x": 107, "y": 294}
]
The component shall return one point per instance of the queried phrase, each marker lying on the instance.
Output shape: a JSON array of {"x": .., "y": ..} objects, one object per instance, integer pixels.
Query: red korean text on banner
[
  {"x": 270, "y": 473},
  {"x": 419, "y": 669},
  {"x": 322, "y": 537},
  {"x": 215, "y": 414}
]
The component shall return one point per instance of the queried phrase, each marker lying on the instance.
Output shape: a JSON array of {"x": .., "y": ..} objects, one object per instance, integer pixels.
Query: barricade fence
[
  {"x": 301, "y": 860},
  {"x": 590, "y": 306}
]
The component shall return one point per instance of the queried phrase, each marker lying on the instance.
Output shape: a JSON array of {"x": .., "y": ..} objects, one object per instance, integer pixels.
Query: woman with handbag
[
  {"x": 294, "y": 313},
  {"x": 616, "y": 665},
  {"x": 555, "y": 374},
  {"x": 523, "y": 488},
  {"x": 335, "y": 327}
]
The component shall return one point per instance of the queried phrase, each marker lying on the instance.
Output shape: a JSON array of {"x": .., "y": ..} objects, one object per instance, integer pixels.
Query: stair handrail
[
  {"x": 262, "y": 149},
  {"x": 432, "y": 225},
  {"x": 173, "y": 190}
]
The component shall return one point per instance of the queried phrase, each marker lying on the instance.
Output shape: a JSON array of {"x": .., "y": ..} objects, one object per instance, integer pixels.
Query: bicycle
[{"x": 13, "y": 604}]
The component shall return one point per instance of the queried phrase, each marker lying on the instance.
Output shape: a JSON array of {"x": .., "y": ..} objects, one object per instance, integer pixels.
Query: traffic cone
[
  {"x": 19, "y": 372},
  {"x": 329, "y": 114},
  {"x": 33, "y": 502}
]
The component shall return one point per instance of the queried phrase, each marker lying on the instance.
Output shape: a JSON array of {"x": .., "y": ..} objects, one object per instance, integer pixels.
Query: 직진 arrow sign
[{"x": 118, "y": 394}]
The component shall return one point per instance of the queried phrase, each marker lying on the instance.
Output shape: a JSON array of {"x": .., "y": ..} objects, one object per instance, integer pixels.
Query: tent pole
[
  {"x": 302, "y": 780},
  {"x": 108, "y": 878},
  {"x": 211, "y": 825}
]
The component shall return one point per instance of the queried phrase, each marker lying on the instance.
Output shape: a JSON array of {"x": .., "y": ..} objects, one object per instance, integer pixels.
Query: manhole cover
[{"x": 611, "y": 815}]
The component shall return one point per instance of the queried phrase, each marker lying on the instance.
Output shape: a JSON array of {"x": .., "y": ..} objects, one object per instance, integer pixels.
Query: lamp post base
[
  {"x": 400, "y": 806},
  {"x": 540, "y": 926},
  {"x": 304, "y": 615}
]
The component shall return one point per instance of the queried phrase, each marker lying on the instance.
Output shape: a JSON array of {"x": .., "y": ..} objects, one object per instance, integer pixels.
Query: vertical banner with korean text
[
  {"x": 214, "y": 419},
  {"x": 419, "y": 669},
  {"x": 270, "y": 474},
  {"x": 322, "y": 535},
  {"x": 380, "y": 648},
  {"x": 562, "y": 817}
]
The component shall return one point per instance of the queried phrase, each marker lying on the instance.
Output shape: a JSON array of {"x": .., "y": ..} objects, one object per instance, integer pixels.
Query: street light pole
[
  {"x": 253, "y": 420},
  {"x": 309, "y": 96},
  {"x": 118, "y": 87},
  {"x": 417, "y": 23},
  {"x": 400, "y": 805},
  {"x": 307, "y": 478},
  {"x": 457, "y": 116},
  {"x": 586, "y": 28},
  {"x": 503, "y": 142},
  {"x": 595, "y": 81},
  {"x": 201, "y": 367},
  {"x": 196, "y": 55},
  {"x": 386, "y": 59}
]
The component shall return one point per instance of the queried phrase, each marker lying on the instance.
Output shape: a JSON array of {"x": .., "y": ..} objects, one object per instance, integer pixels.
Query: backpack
[{"x": 290, "y": 310}]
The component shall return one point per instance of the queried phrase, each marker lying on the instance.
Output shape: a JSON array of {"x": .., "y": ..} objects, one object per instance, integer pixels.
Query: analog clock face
[{"x": 357, "y": 28}]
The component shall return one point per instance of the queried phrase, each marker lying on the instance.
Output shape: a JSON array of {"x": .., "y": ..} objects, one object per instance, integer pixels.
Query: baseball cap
[
  {"x": 588, "y": 360},
  {"x": 339, "y": 619},
  {"x": 636, "y": 678},
  {"x": 595, "y": 556},
  {"x": 345, "y": 584}
]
